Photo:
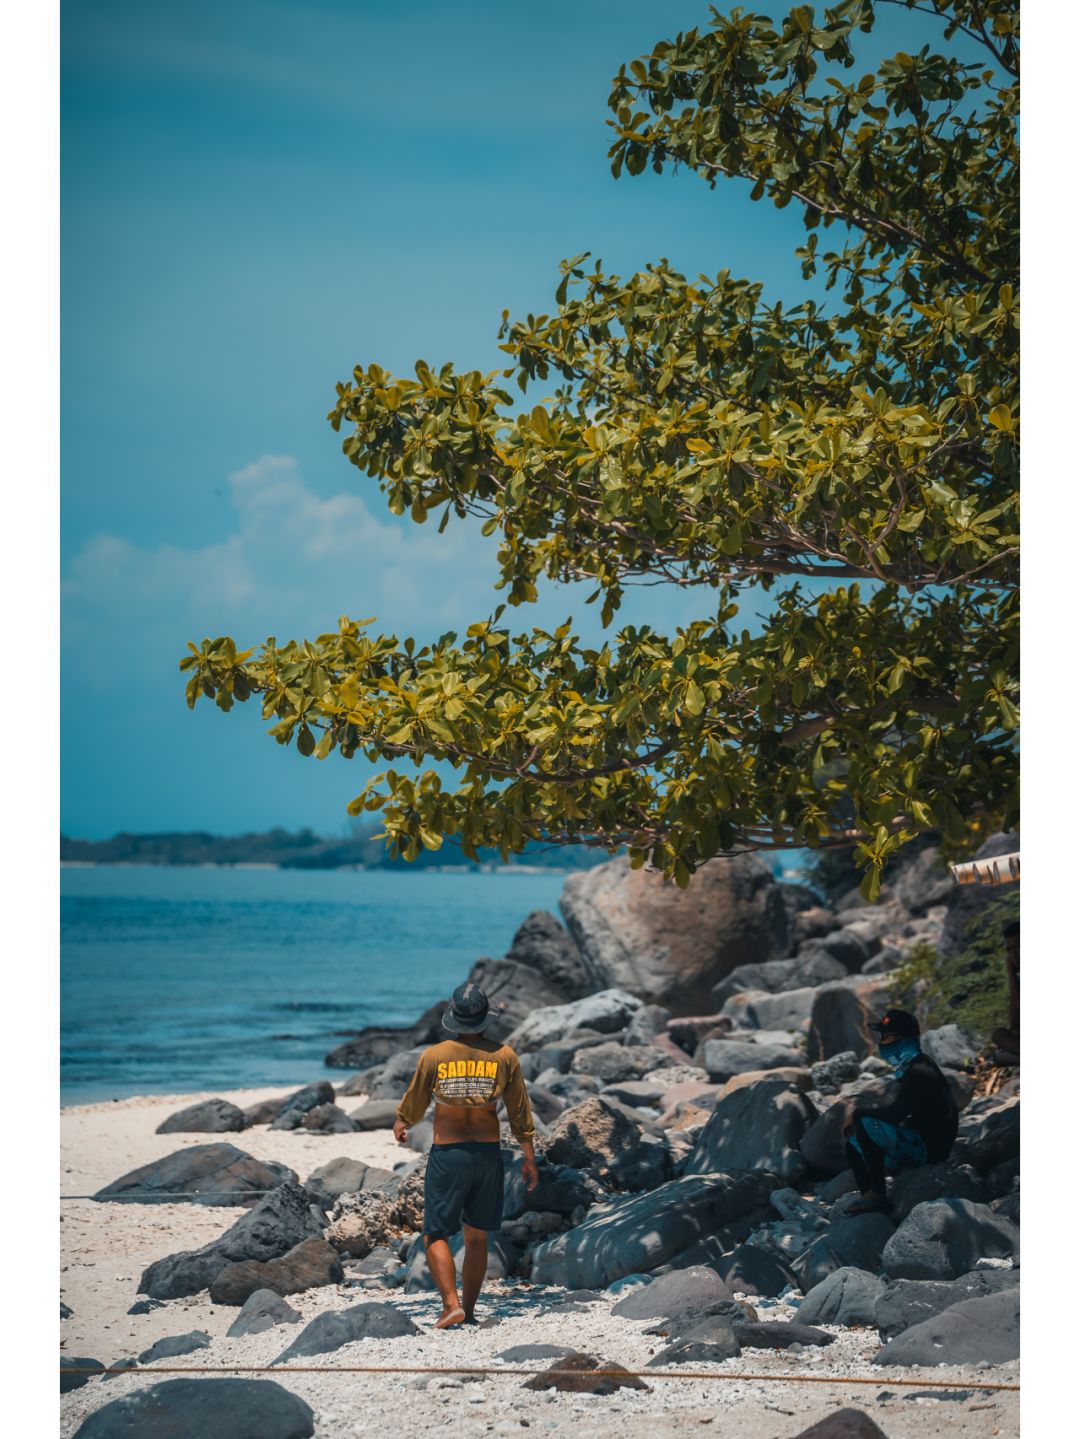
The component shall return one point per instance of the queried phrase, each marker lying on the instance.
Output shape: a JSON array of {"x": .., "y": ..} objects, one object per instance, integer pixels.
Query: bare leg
[
  {"x": 441, "y": 1263},
  {"x": 473, "y": 1267}
]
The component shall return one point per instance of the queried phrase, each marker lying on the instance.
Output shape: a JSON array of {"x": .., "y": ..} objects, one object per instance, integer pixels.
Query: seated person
[{"x": 918, "y": 1127}]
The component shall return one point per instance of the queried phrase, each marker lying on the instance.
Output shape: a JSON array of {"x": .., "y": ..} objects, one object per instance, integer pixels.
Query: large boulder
[
  {"x": 945, "y": 1238},
  {"x": 857, "y": 1242},
  {"x": 912, "y": 1187},
  {"x": 592, "y": 1135},
  {"x": 330, "y": 1331},
  {"x": 975, "y": 1331},
  {"x": 748, "y": 1269},
  {"x": 543, "y": 945},
  {"x": 758, "y": 1126},
  {"x": 560, "y": 1190},
  {"x": 209, "y": 1116},
  {"x": 637, "y": 1235},
  {"x": 212, "y": 1408},
  {"x": 668, "y": 945},
  {"x": 843, "y": 1424},
  {"x": 612, "y": 1062},
  {"x": 924, "y": 881},
  {"x": 989, "y": 1134},
  {"x": 390, "y": 1079},
  {"x": 308, "y": 1265},
  {"x": 757, "y": 1009},
  {"x": 848, "y": 1296},
  {"x": 606, "y": 1012},
  {"x": 347, "y": 1176},
  {"x": 681, "y": 1291},
  {"x": 906, "y": 1302},
  {"x": 950, "y": 1047},
  {"x": 281, "y": 1220},
  {"x": 724, "y": 1058},
  {"x": 261, "y": 1311},
  {"x": 839, "y": 1018},
  {"x": 810, "y": 969},
  {"x": 205, "y": 1173},
  {"x": 291, "y": 1113}
]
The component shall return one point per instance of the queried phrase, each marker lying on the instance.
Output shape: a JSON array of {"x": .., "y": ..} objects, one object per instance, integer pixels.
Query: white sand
[{"x": 105, "y": 1247}]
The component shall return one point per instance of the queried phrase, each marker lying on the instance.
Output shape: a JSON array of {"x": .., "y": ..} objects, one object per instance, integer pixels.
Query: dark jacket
[{"x": 924, "y": 1102}]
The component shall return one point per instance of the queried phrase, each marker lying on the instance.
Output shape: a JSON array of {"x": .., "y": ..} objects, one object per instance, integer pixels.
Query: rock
[
  {"x": 724, "y": 1057},
  {"x": 848, "y": 1296},
  {"x": 687, "y": 1032},
  {"x": 759, "y": 1126},
  {"x": 949, "y": 1047},
  {"x": 515, "y": 988},
  {"x": 647, "y": 1023},
  {"x": 607, "y": 1012},
  {"x": 641, "y": 1233},
  {"x": 710, "y": 1341},
  {"x": 857, "y": 1242},
  {"x": 65, "y": 1312},
  {"x": 282, "y": 1219},
  {"x": 543, "y": 945},
  {"x": 209, "y": 1116},
  {"x": 1008, "y": 1205},
  {"x": 945, "y": 1238},
  {"x": 906, "y": 1302},
  {"x": 679, "y": 1292},
  {"x": 70, "y": 1376},
  {"x": 262, "y": 1310},
  {"x": 362, "y": 1222},
  {"x": 823, "y": 1143},
  {"x": 207, "y": 1173},
  {"x": 370, "y": 1048},
  {"x": 345, "y": 1176},
  {"x": 521, "y": 1353},
  {"x": 843, "y": 1424},
  {"x": 174, "y": 1346},
  {"x": 574, "y": 1372},
  {"x": 814, "y": 923},
  {"x": 989, "y": 1135},
  {"x": 561, "y": 1188},
  {"x": 678, "y": 1326},
  {"x": 968, "y": 902},
  {"x": 637, "y": 1093},
  {"x": 355, "y": 1084},
  {"x": 422, "y": 1135},
  {"x": 669, "y": 945},
  {"x": 924, "y": 882},
  {"x": 756, "y": 1009},
  {"x": 752, "y": 1270},
  {"x": 297, "y": 1104},
  {"x": 612, "y": 1062},
  {"x": 327, "y": 1119},
  {"x": 591, "y": 1134},
  {"x": 545, "y": 1104},
  {"x": 847, "y": 946},
  {"x": 309, "y": 1265},
  {"x": 209, "y": 1407},
  {"x": 984, "y": 1330},
  {"x": 146, "y": 1306},
  {"x": 934, "y": 1181},
  {"x": 330, "y": 1331},
  {"x": 375, "y": 1114},
  {"x": 265, "y": 1111},
  {"x": 776, "y": 975},
  {"x": 839, "y": 1018},
  {"x": 829, "y": 1074},
  {"x": 390, "y": 1079},
  {"x": 781, "y": 1335},
  {"x": 646, "y": 1166}
]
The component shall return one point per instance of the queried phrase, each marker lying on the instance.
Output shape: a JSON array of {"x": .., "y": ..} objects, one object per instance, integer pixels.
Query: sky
[{"x": 256, "y": 196}]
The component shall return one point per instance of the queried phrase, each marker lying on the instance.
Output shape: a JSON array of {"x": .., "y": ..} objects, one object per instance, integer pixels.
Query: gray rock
[
  {"x": 671, "y": 946},
  {"x": 781, "y": 1335},
  {"x": 723, "y": 1058},
  {"x": 346, "y": 1176},
  {"x": 592, "y": 1134},
  {"x": 949, "y": 1047},
  {"x": 756, "y": 1009},
  {"x": 388, "y": 1080},
  {"x": 282, "y": 1219},
  {"x": 521, "y": 1353},
  {"x": 934, "y": 1181},
  {"x": 174, "y": 1346},
  {"x": 205, "y": 1173},
  {"x": 515, "y": 988},
  {"x": 647, "y": 1023},
  {"x": 639, "y": 1234},
  {"x": 71, "y": 1376},
  {"x": 750, "y": 1269},
  {"x": 65, "y": 1312},
  {"x": 543, "y": 945},
  {"x": 646, "y": 1166},
  {"x": 546, "y": 1105},
  {"x": 679, "y": 1292},
  {"x": 375, "y": 1114},
  {"x": 906, "y": 1302},
  {"x": 369, "y": 1049},
  {"x": 857, "y": 1242},
  {"x": 814, "y": 922},
  {"x": 847, "y": 1296},
  {"x": 212, "y": 1408},
  {"x": 846, "y": 946},
  {"x": 839, "y": 1018},
  {"x": 985, "y": 1330},
  {"x": 561, "y": 1189},
  {"x": 773, "y": 976},
  {"x": 679, "y": 1326},
  {"x": 924, "y": 882},
  {"x": 612, "y": 1062},
  {"x": 637, "y": 1093},
  {"x": 843, "y": 1424},
  {"x": 607, "y": 1012},
  {"x": 297, "y": 1104},
  {"x": 262, "y": 1310},
  {"x": 1008, "y": 1205},
  {"x": 829, "y": 1074},
  {"x": 209, "y": 1116},
  {"x": 945, "y": 1238},
  {"x": 309, "y": 1265},
  {"x": 709, "y": 1342},
  {"x": 330, "y": 1331},
  {"x": 989, "y": 1134},
  {"x": 422, "y": 1135},
  {"x": 758, "y": 1126},
  {"x": 327, "y": 1119}
]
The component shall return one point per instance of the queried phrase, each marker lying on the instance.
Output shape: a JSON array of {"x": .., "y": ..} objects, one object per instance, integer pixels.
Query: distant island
[{"x": 304, "y": 849}]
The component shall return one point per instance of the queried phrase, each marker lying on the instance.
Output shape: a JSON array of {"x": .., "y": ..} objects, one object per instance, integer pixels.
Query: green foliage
[
  {"x": 694, "y": 432},
  {"x": 970, "y": 988}
]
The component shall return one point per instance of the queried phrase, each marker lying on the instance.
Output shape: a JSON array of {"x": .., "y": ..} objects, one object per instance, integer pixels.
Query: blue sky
[{"x": 256, "y": 196}]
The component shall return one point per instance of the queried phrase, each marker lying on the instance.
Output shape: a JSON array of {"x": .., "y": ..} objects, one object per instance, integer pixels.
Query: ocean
[{"x": 192, "y": 979}]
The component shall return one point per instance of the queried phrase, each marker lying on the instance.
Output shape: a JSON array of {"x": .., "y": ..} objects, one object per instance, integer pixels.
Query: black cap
[
  {"x": 469, "y": 1012},
  {"x": 896, "y": 1024}
]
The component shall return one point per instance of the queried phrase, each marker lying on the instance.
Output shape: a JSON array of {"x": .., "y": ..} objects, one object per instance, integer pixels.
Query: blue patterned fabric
[{"x": 903, "y": 1148}]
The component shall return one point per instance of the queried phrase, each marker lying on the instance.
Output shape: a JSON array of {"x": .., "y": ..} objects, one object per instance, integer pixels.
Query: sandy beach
[{"x": 105, "y": 1247}]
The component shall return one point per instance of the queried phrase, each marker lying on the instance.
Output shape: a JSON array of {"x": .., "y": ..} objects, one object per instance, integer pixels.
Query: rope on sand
[{"x": 887, "y": 1381}]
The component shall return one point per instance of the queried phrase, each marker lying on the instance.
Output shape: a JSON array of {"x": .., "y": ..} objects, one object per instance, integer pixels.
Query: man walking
[
  {"x": 920, "y": 1125},
  {"x": 463, "y": 1187}
]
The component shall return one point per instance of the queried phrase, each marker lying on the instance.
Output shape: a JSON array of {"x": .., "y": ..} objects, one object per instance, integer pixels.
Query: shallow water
[{"x": 189, "y": 979}]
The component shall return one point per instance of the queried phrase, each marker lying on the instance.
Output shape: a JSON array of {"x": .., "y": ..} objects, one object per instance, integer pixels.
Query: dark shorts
[
  {"x": 902, "y": 1147},
  {"x": 463, "y": 1182}
]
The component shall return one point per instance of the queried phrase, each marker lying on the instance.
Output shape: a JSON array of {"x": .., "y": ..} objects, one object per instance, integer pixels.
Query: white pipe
[{"x": 1001, "y": 869}]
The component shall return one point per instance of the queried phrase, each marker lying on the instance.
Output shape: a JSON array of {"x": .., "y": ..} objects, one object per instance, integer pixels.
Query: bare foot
[{"x": 449, "y": 1317}]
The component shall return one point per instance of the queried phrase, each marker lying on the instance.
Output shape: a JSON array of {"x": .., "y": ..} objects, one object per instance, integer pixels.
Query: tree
[{"x": 696, "y": 433}]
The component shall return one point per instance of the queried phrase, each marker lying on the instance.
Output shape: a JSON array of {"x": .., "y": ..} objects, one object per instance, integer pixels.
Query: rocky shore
[{"x": 691, "y": 1057}]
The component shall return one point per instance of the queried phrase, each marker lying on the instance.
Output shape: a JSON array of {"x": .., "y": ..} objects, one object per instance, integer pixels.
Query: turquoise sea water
[{"x": 189, "y": 979}]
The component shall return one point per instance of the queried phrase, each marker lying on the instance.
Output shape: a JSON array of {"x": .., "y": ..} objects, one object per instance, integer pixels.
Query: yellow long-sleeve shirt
[{"x": 469, "y": 1075}]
